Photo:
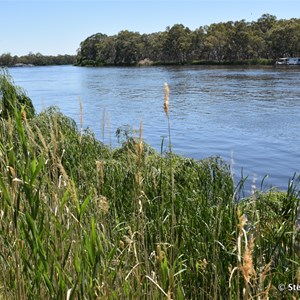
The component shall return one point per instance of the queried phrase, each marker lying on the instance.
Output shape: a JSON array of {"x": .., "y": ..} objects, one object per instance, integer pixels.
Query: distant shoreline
[
  {"x": 245, "y": 63},
  {"x": 7, "y": 60},
  {"x": 250, "y": 62}
]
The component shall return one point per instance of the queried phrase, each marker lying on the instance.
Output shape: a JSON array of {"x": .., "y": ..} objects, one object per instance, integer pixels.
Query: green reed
[{"x": 79, "y": 220}]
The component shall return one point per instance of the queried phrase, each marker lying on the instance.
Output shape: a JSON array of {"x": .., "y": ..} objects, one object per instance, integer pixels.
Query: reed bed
[{"x": 79, "y": 220}]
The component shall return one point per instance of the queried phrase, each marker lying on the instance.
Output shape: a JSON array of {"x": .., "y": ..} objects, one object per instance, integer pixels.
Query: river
[{"x": 248, "y": 116}]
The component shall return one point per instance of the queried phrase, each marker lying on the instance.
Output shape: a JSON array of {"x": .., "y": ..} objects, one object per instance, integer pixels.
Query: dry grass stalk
[
  {"x": 169, "y": 294},
  {"x": 54, "y": 146},
  {"x": 103, "y": 124},
  {"x": 121, "y": 245},
  {"x": 266, "y": 270},
  {"x": 245, "y": 265},
  {"x": 140, "y": 138},
  {"x": 131, "y": 271},
  {"x": 10, "y": 127},
  {"x": 81, "y": 116},
  {"x": 203, "y": 264},
  {"x": 160, "y": 254},
  {"x": 158, "y": 286},
  {"x": 140, "y": 152},
  {"x": 242, "y": 220},
  {"x": 109, "y": 129},
  {"x": 99, "y": 166},
  {"x": 166, "y": 103},
  {"x": 42, "y": 139},
  {"x": 24, "y": 117},
  {"x": 69, "y": 294},
  {"x": 298, "y": 276},
  {"x": 263, "y": 292},
  {"x": 63, "y": 172},
  {"x": 104, "y": 204},
  {"x": 247, "y": 268}
]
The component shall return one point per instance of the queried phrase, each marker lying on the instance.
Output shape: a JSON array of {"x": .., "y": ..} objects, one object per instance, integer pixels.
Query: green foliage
[
  {"x": 227, "y": 42},
  {"x": 38, "y": 59},
  {"x": 273, "y": 221},
  {"x": 12, "y": 97},
  {"x": 82, "y": 221}
]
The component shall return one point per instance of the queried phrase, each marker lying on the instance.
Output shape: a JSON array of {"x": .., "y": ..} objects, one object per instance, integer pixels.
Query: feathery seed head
[
  {"x": 24, "y": 117},
  {"x": 242, "y": 220},
  {"x": 121, "y": 245},
  {"x": 140, "y": 144},
  {"x": 248, "y": 268},
  {"x": 160, "y": 254},
  {"x": 166, "y": 103},
  {"x": 104, "y": 204}
]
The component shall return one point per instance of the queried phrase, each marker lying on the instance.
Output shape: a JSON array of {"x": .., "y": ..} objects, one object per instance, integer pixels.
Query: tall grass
[{"x": 79, "y": 220}]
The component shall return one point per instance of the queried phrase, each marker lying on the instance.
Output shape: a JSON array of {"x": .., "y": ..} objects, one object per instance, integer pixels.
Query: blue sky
[{"x": 57, "y": 27}]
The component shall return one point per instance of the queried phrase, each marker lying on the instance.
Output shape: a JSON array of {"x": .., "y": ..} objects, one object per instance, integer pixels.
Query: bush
[{"x": 12, "y": 97}]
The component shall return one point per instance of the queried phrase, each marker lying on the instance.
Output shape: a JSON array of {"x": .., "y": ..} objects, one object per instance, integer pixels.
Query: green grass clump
[
  {"x": 79, "y": 220},
  {"x": 13, "y": 97}
]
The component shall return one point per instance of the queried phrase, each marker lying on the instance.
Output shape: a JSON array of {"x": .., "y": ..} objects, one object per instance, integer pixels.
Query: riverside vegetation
[
  {"x": 38, "y": 59},
  {"x": 79, "y": 220},
  {"x": 239, "y": 42}
]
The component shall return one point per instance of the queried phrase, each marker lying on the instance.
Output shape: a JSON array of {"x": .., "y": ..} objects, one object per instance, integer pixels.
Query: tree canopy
[
  {"x": 38, "y": 59},
  {"x": 239, "y": 41}
]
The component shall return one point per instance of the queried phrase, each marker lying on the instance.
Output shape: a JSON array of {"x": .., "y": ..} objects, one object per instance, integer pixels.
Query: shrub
[{"x": 12, "y": 97}]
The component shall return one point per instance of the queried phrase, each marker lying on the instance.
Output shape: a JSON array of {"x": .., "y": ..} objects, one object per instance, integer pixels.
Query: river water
[{"x": 248, "y": 116}]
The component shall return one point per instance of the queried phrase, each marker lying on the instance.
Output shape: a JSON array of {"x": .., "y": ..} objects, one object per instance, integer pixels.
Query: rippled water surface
[{"x": 248, "y": 116}]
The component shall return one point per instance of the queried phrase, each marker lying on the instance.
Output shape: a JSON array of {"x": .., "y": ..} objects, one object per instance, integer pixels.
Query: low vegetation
[{"x": 79, "y": 220}]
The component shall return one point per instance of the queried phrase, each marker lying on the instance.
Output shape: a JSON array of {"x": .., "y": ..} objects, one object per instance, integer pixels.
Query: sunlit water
[{"x": 248, "y": 116}]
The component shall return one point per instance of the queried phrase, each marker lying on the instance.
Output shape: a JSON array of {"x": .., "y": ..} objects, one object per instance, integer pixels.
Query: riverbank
[
  {"x": 146, "y": 62},
  {"x": 80, "y": 219}
]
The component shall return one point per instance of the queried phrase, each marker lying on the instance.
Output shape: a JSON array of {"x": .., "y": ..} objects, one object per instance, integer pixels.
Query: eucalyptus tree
[
  {"x": 217, "y": 41},
  {"x": 257, "y": 44},
  {"x": 178, "y": 43},
  {"x": 87, "y": 53},
  {"x": 263, "y": 27},
  {"x": 285, "y": 38},
  {"x": 229, "y": 41},
  {"x": 197, "y": 43},
  {"x": 128, "y": 47},
  {"x": 6, "y": 60},
  {"x": 240, "y": 40},
  {"x": 154, "y": 46},
  {"x": 106, "y": 51}
]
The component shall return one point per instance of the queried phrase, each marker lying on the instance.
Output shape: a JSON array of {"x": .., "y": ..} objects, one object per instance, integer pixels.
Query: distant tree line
[
  {"x": 7, "y": 60},
  {"x": 259, "y": 41}
]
